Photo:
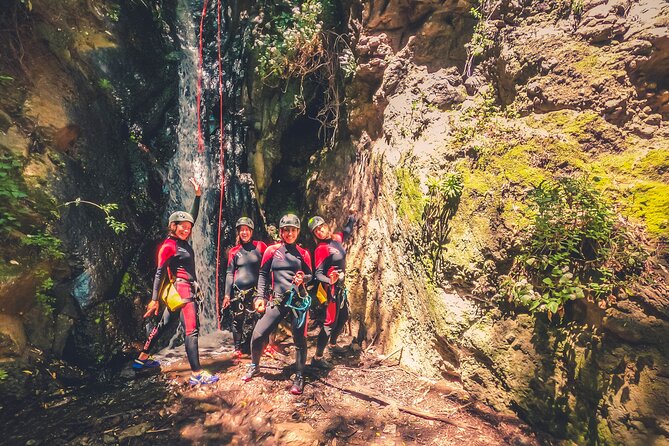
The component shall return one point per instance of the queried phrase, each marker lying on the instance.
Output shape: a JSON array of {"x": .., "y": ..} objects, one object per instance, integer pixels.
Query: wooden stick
[
  {"x": 155, "y": 431},
  {"x": 365, "y": 394},
  {"x": 369, "y": 347}
]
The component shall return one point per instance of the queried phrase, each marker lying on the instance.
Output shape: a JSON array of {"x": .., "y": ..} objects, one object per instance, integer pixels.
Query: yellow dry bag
[
  {"x": 321, "y": 294},
  {"x": 170, "y": 296}
]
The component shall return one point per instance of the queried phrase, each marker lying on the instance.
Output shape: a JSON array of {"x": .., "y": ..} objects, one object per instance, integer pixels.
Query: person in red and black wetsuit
[
  {"x": 286, "y": 268},
  {"x": 176, "y": 259},
  {"x": 241, "y": 279},
  {"x": 330, "y": 266}
]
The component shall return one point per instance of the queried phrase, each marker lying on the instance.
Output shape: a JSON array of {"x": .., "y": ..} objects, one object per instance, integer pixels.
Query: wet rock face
[{"x": 88, "y": 113}]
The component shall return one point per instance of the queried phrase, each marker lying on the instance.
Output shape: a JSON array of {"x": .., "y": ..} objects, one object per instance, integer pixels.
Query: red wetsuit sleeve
[
  {"x": 306, "y": 264},
  {"x": 165, "y": 253},
  {"x": 320, "y": 256},
  {"x": 264, "y": 275},
  {"x": 230, "y": 273}
]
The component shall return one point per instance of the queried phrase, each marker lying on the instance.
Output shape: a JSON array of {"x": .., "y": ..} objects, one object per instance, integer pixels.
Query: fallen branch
[
  {"x": 367, "y": 395},
  {"x": 155, "y": 431},
  {"x": 370, "y": 346}
]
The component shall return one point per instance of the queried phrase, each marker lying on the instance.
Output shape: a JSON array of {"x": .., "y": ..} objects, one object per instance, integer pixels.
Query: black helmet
[
  {"x": 289, "y": 220},
  {"x": 244, "y": 221},
  {"x": 315, "y": 222},
  {"x": 180, "y": 216}
]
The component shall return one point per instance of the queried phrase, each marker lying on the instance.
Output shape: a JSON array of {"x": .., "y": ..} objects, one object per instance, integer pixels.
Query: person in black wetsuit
[
  {"x": 329, "y": 269},
  {"x": 241, "y": 279},
  {"x": 285, "y": 269},
  {"x": 177, "y": 260}
]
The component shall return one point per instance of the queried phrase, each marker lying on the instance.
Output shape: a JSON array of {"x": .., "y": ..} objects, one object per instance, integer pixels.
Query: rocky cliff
[
  {"x": 503, "y": 98},
  {"x": 454, "y": 113},
  {"x": 87, "y": 100}
]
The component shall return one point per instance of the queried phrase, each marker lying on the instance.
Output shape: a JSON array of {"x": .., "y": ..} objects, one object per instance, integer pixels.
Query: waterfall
[{"x": 187, "y": 162}]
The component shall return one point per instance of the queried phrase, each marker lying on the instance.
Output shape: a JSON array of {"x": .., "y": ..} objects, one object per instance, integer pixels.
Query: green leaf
[{"x": 552, "y": 306}]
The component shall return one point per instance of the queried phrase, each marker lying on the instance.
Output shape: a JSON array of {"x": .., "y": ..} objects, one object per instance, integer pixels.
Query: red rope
[
  {"x": 222, "y": 163},
  {"x": 200, "y": 138}
]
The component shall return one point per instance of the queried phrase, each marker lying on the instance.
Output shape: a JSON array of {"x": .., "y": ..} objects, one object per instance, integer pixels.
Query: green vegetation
[
  {"x": 116, "y": 225},
  {"x": 576, "y": 8},
  {"x": 410, "y": 200},
  {"x": 48, "y": 245},
  {"x": 297, "y": 49},
  {"x": 44, "y": 299},
  {"x": 650, "y": 203},
  {"x": 105, "y": 84},
  {"x": 3, "y": 374},
  {"x": 573, "y": 249},
  {"x": 481, "y": 38},
  {"x": 443, "y": 199},
  {"x": 289, "y": 42},
  {"x": 12, "y": 193},
  {"x": 113, "y": 12}
]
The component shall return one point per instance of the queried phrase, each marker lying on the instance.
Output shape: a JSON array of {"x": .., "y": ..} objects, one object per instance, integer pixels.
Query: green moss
[
  {"x": 410, "y": 199},
  {"x": 573, "y": 123},
  {"x": 516, "y": 165},
  {"x": 515, "y": 214},
  {"x": 650, "y": 202},
  {"x": 604, "y": 435},
  {"x": 654, "y": 163},
  {"x": 634, "y": 179},
  {"x": 587, "y": 64}
]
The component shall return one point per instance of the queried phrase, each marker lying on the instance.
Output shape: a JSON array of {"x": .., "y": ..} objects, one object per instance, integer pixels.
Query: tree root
[{"x": 365, "y": 394}]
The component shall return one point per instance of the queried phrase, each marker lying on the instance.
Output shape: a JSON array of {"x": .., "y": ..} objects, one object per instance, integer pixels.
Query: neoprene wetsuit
[
  {"x": 240, "y": 281},
  {"x": 177, "y": 260},
  {"x": 330, "y": 255},
  {"x": 279, "y": 265}
]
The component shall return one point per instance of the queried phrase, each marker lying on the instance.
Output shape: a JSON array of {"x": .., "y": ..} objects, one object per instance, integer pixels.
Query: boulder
[
  {"x": 12, "y": 336},
  {"x": 443, "y": 89},
  {"x": 297, "y": 434},
  {"x": 17, "y": 294}
]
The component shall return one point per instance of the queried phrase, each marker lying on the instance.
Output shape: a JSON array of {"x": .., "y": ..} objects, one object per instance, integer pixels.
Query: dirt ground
[{"x": 365, "y": 400}]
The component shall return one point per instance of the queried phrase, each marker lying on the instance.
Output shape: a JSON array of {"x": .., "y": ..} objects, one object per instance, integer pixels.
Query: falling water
[{"x": 187, "y": 162}]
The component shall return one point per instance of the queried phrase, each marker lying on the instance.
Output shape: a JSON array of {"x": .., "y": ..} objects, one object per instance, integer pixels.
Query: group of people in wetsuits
[{"x": 276, "y": 282}]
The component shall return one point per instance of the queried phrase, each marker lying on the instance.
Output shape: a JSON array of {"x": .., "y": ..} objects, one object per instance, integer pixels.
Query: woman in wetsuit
[
  {"x": 284, "y": 270},
  {"x": 176, "y": 260},
  {"x": 330, "y": 266},
  {"x": 241, "y": 279}
]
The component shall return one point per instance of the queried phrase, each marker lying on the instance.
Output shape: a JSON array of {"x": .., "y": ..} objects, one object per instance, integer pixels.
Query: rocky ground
[{"x": 365, "y": 399}]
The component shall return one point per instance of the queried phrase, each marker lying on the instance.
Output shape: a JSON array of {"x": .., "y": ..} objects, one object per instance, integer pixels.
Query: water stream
[{"x": 187, "y": 162}]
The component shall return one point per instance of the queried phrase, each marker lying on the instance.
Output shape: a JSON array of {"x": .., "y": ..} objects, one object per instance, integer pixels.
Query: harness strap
[
  {"x": 241, "y": 294},
  {"x": 299, "y": 310}
]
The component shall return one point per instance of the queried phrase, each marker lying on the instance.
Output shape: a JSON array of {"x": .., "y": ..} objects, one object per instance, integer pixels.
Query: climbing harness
[
  {"x": 342, "y": 297},
  {"x": 299, "y": 304},
  {"x": 241, "y": 296}
]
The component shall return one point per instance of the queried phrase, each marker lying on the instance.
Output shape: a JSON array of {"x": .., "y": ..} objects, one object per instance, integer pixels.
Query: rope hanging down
[
  {"x": 200, "y": 137},
  {"x": 221, "y": 160}
]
